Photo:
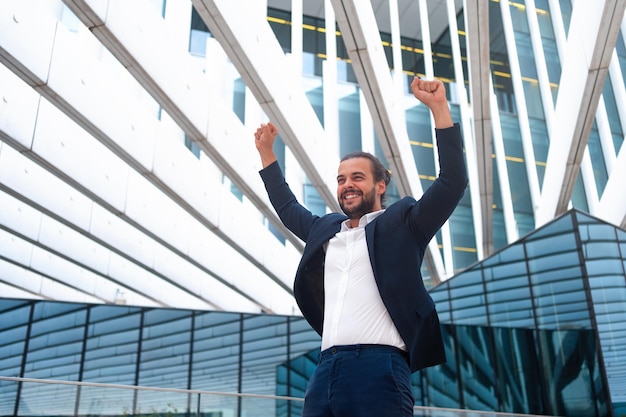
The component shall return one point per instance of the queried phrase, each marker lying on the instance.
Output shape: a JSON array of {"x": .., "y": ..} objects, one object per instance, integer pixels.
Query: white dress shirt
[{"x": 354, "y": 312}]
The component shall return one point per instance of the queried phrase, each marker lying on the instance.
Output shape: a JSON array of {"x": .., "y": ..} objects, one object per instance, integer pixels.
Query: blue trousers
[{"x": 360, "y": 381}]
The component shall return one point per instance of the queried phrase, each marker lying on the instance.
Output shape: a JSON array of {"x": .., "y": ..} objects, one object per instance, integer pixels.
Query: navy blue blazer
[{"x": 396, "y": 241}]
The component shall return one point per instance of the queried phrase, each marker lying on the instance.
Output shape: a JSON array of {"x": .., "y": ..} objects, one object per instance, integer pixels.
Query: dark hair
[{"x": 378, "y": 169}]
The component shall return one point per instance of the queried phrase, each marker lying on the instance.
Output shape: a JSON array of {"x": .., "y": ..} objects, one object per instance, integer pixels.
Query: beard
[{"x": 368, "y": 201}]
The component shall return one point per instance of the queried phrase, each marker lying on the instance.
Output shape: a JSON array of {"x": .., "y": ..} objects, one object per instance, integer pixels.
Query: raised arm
[
  {"x": 440, "y": 199},
  {"x": 433, "y": 95},
  {"x": 293, "y": 215}
]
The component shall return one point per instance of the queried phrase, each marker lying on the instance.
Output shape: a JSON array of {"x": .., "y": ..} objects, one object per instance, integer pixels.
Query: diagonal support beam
[
  {"x": 360, "y": 34},
  {"x": 255, "y": 52},
  {"x": 592, "y": 36},
  {"x": 183, "y": 96}
]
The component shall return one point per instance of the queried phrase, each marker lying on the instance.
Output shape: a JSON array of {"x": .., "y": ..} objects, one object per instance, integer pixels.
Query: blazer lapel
[{"x": 369, "y": 239}]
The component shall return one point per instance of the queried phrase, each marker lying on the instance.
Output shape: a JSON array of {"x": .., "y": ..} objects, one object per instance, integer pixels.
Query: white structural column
[
  {"x": 593, "y": 32},
  {"x": 459, "y": 90},
  {"x": 360, "y": 34},
  {"x": 619, "y": 86},
  {"x": 510, "y": 225},
  {"x": 396, "y": 46},
  {"x": 477, "y": 15},
  {"x": 297, "y": 37},
  {"x": 446, "y": 237},
  {"x": 540, "y": 61},
  {"x": 331, "y": 96},
  {"x": 254, "y": 50},
  {"x": 426, "y": 42},
  {"x": 182, "y": 90}
]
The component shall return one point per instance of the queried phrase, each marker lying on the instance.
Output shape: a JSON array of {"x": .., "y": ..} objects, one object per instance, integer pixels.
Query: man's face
[{"x": 357, "y": 193}]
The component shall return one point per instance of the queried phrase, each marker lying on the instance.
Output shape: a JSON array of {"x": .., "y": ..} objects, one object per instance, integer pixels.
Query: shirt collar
[{"x": 363, "y": 221}]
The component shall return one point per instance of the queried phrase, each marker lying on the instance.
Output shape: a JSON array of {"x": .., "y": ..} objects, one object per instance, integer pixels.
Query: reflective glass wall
[
  {"x": 537, "y": 328},
  {"x": 564, "y": 284},
  {"x": 209, "y": 351},
  {"x": 513, "y": 370}
]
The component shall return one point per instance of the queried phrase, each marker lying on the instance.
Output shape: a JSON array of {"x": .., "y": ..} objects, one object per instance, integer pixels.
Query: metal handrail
[
  {"x": 460, "y": 412},
  {"x": 146, "y": 388}
]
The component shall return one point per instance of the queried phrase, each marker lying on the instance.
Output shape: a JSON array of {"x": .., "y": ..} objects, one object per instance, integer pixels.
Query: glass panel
[
  {"x": 612, "y": 111},
  {"x": 264, "y": 346},
  {"x": 463, "y": 237},
  {"x": 216, "y": 347},
  {"x": 47, "y": 400},
  {"x": 420, "y": 137},
  {"x": 292, "y": 376},
  {"x": 467, "y": 298},
  {"x": 54, "y": 352},
  {"x": 441, "y": 297},
  {"x": 442, "y": 60},
  {"x": 112, "y": 345},
  {"x": 594, "y": 148},
  {"x": 440, "y": 385},
  {"x": 519, "y": 385},
  {"x": 571, "y": 371},
  {"x": 165, "y": 349},
  {"x": 280, "y": 22},
  {"x": 549, "y": 46},
  {"x": 239, "y": 99},
  {"x": 14, "y": 322},
  {"x": 476, "y": 371},
  {"x": 607, "y": 282},
  {"x": 579, "y": 198},
  {"x": 349, "y": 124},
  {"x": 198, "y": 34},
  {"x": 412, "y": 58},
  {"x": 314, "y": 46},
  {"x": 508, "y": 295},
  {"x": 499, "y": 60},
  {"x": 539, "y": 132}
]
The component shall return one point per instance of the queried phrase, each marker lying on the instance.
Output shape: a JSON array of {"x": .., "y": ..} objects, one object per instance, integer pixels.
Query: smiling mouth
[{"x": 350, "y": 195}]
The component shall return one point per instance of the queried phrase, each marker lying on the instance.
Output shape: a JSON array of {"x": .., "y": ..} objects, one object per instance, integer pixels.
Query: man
[{"x": 359, "y": 284}]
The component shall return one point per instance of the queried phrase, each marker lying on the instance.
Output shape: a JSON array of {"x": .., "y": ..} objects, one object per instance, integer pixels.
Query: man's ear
[{"x": 381, "y": 187}]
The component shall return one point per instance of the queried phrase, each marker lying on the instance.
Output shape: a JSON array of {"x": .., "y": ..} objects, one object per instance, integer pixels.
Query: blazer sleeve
[
  {"x": 293, "y": 215},
  {"x": 441, "y": 198}
]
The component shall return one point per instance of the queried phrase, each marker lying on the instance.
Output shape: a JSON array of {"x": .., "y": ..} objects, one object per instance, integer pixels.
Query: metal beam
[
  {"x": 593, "y": 33},
  {"x": 361, "y": 37},
  {"x": 477, "y": 14},
  {"x": 182, "y": 99},
  {"x": 255, "y": 52}
]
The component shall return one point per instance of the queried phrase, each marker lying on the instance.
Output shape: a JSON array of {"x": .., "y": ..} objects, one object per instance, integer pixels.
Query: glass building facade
[
  {"x": 538, "y": 328},
  {"x": 137, "y": 246},
  {"x": 147, "y": 138}
]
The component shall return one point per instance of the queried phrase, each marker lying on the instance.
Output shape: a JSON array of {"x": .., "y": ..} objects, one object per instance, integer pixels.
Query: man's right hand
[
  {"x": 433, "y": 94},
  {"x": 264, "y": 141}
]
